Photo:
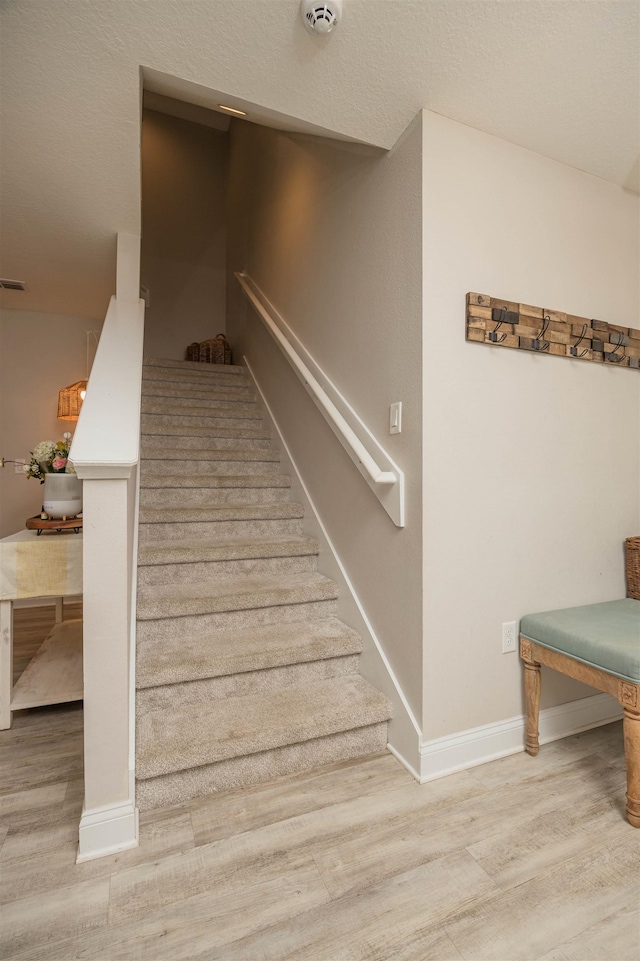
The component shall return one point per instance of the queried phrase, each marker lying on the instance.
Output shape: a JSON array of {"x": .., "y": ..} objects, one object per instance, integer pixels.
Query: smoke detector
[{"x": 321, "y": 16}]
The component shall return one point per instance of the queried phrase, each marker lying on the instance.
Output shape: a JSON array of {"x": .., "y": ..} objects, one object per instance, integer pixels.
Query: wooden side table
[{"x": 33, "y": 567}]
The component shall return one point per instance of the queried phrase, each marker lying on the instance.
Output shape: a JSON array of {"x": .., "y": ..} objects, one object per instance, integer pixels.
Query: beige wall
[
  {"x": 183, "y": 232},
  {"x": 331, "y": 233},
  {"x": 39, "y": 354},
  {"x": 531, "y": 463}
]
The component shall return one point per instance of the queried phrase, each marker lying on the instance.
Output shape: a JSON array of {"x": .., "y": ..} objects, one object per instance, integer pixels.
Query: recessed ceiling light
[{"x": 241, "y": 113}]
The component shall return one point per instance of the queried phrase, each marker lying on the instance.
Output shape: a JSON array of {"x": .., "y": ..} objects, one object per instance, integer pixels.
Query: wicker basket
[
  {"x": 632, "y": 564},
  {"x": 213, "y": 351}
]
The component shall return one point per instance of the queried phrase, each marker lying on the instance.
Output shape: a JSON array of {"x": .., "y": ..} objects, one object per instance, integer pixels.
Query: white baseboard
[
  {"x": 457, "y": 752},
  {"x": 107, "y": 830}
]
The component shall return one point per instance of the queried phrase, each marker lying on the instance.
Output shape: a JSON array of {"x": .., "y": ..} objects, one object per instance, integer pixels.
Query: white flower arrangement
[{"x": 50, "y": 457}]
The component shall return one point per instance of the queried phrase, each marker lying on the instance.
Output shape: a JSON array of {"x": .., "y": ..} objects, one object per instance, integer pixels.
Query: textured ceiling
[{"x": 559, "y": 77}]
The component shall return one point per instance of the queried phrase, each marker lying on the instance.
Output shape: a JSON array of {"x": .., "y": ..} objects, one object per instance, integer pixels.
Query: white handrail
[{"x": 350, "y": 441}]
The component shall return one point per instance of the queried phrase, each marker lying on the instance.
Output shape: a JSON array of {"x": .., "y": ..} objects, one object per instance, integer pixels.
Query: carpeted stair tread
[
  {"x": 197, "y": 392},
  {"x": 173, "y": 453},
  {"x": 196, "y": 550},
  {"x": 200, "y": 656},
  {"x": 204, "y": 406},
  {"x": 211, "y": 420},
  {"x": 199, "y": 734},
  {"x": 194, "y": 365},
  {"x": 204, "y": 372},
  {"x": 236, "y": 593},
  {"x": 216, "y": 481},
  {"x": 197, "y": 430},
  {"x": 196, "y": 382},
  {"x": 220, "y": 512}
]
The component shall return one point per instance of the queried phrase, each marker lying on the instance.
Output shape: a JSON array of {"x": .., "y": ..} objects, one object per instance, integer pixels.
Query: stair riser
[
  {"x": 173, "y": 628},
  {"x": 162, "y": 391},
  {"x": 186, "y": 405},
  {"x": 236, "y": 430},
  {"x": 162, "y": 363},
  {"x": 151, "y": 442},
  {"x": 205, "y": 570},
  {"x": 224, "y": 468},
  {"x": 240, "y": 772},
  {"x": 218, "y": 530},
  {"x": 201, "y": 373},
  {"x": 210, "y": 496},
  {"x": 191, "y": 388},
  {"x": 175, "y": 696},
  {"x": 154, "y": 423}
]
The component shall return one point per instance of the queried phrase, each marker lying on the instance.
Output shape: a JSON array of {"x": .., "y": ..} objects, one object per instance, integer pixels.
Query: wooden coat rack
[{"x": 504, "y": 323}]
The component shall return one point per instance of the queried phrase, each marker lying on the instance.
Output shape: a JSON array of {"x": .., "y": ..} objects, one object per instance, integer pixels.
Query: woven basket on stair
[
  {"x": 632, "y": 565},
  {"x": 213, "y": 351}
]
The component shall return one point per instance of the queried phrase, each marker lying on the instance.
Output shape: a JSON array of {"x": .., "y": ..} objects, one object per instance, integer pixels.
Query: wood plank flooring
[{"x": 522, "y": 858}]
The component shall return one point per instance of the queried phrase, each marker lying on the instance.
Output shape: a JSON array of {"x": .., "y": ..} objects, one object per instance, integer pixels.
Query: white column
[{"x": 109, "y": 820}]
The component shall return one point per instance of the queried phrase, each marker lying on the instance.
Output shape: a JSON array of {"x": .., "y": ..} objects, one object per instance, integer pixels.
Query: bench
[{"x": 598, "y": 644}]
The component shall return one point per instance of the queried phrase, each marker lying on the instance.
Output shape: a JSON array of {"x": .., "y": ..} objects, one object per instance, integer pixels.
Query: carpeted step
[
  {"x": 193, "y": 365},
  {"x": 164, "y": 453},
  {"x": 239, "y": 772},
  {"x": 182, "y": 562},
  {"x": 232, "y": 594},
  {"x": 198, "y": 392},
  {"x": 192, "y": 370},
  {"x": 188, "y": 442},
  {"x": 219, "y": 521},
  {"x": 237, "y": 431},
  {"x": 173, "y": 629},
  {"x": 173, "y": 697},
  {"x": 200, "y": 406},
  {"x": 196, "y": 380},
  {"x": 202, "y": 733},
  {"x": 212, "y": 419},
  {"x": 160, "y": 490},
  {"x": 204, "y": 494},
  {"x": 160, "y": 461},
  {"x": 201, "y": 656}
]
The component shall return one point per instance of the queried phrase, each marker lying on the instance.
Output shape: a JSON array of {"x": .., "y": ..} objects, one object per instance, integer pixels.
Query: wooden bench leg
[
  {"x": 631, "y": 725},
  {"x": 532, "y": 697}
]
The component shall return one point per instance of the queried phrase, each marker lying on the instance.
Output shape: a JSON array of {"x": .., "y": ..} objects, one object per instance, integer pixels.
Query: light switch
[{"x": 395, "y": 418}]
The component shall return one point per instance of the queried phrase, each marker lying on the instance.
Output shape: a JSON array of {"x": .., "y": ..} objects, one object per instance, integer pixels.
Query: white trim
[
  {"x": 402, "y": 759},
  {"x": 107, "y": 830},
  {"x": 386, "y": 482},
  {"x": 399, "y": 699},
  {"x": 457, "y": 752}
]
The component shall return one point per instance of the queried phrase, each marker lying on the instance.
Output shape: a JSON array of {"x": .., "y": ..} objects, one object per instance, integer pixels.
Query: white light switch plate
[{"x": 395, "y": 418}]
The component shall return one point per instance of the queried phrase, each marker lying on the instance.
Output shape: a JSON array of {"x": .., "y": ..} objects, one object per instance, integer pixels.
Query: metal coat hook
[
  {"x": 574, "y": 349},
  {"x": 614, "y": 356},
  {"x": 540, "y": 343},
  {"x": 493, "y": 336}
]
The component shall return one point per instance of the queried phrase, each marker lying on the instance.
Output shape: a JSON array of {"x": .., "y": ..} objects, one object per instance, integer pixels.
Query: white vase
[{"x": 62, "y": 495}]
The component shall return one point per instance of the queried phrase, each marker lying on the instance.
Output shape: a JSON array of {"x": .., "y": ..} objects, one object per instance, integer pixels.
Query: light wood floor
[{"x": 519, "y": 859}]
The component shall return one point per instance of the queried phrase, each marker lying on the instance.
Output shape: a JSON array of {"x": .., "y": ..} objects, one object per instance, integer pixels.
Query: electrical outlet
[
  {"x": 17, "y": 467},
  {"x": 509, "y": 637}
]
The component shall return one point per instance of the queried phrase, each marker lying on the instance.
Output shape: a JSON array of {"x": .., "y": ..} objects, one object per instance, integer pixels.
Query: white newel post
[
  {"x": 109, "y": 820},
  {"x": 105, "y": 452}
]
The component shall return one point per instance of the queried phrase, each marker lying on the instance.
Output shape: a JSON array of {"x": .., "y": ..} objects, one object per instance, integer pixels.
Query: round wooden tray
[{"x": 37, "y": 524}]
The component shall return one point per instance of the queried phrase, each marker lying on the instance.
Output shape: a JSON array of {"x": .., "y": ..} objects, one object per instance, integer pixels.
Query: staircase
[{"x": 243, "y": 671}]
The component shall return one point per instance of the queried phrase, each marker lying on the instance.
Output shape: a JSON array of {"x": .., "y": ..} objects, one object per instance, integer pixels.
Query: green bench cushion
[{"x": 601, "y": 635}]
